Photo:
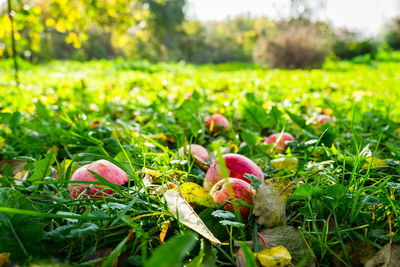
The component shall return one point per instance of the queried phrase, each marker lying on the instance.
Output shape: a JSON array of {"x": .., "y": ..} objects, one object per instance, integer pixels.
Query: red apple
[
  {"x": 237, "y": 165},
  {"x": 218, "y": 122},
  {"x": 279, "y": 139},
  {"x": 104, "y": 168},
  {"x": 318, "y": 120},
  {"x": 241, "y": 190},
  {"x": 200, "y": 154}
]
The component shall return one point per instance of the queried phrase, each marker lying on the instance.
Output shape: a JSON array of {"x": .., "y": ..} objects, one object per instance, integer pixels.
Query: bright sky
[{"x": 367, "y": 16}]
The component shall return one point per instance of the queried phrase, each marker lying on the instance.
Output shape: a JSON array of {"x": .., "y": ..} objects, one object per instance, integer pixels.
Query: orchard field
[{"x": 341, "y": 192}]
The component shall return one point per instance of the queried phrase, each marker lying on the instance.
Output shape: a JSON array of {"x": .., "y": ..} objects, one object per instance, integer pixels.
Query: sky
[{"x": 365, "y": 16}]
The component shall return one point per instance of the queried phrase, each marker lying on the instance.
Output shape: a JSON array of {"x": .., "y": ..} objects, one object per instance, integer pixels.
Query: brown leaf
[
  {"x": 16, "y": 165},
  {"x": 290, "y": 238},
  {"x": 359, "y": 253},
  {"x": 240, "y": 259},
  {"x": 187, "y": 216},
  {"x": 388, "y": 256},
  {"x": 269, "y": 206},
  {"x": 5, "y": 259}
]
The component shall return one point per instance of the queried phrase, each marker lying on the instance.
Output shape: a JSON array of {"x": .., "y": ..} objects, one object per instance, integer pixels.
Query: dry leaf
[
  {"x": 375, "y": 163},
  {"x": 240, "y": 258},
  {"x": 196, "y": 195},
  {"x": 286, "y": 163},
  {"x": 16, "y": 165},
  {"x": 275, "y": 256},
  {"x": 359, "y": 253},
  {"x": 4, "y": 259},
  {"x": 269, "y": 206},
  {"x": 288, "y": 237},
  {"x": 187, "y": 216},
  {"x": 388, "y": 256},
  {"x": 164, "y": 231}
]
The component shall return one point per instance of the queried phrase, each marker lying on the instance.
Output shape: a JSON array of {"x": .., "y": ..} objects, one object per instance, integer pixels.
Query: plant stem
[{"x": 14, "y": 49}]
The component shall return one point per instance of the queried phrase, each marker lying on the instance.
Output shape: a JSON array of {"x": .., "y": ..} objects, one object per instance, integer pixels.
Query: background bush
[
  {"x": 299, "y": 45},
  {"x": 393, "y": 35}
]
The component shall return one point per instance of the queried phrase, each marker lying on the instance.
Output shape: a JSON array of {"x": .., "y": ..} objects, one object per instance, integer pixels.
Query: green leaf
[
  {"x": 223, "y": 214},
  {"x": 248, "y": 255},
  {"x": 231, "y": 223},
  {"x": 173, "y": 251},
  {"x": 20, "y": 234},
  {"x": 336, "y": 191},
  {"x": 249, "y": 137},
  {"x": 255, "y": 181},
  {"x": 112, "y": 258},
  {"x": 306, "y": 191},
  {"x": 42, "y": 167}
]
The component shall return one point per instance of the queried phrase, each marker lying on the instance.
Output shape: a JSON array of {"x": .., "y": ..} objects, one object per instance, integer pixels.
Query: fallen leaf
[
  {"x": 290, "y": 238},
  {"x": 164, "y": 231},
  {"x": 269, "y": 206},
  {"x": 187, "y": 216},
  {"x": 16, "y": 165},
  {"x": 275, "y": 256},
  {"x": 375, "y": 163},
  {"x": 278, "y": 184},
  {"x": 196, "y": 195},
  {"x": 388, "y": 256},
  {"x": 359, "y": 253},
  {"x": 282, "y": 163},
  {"x": 4, "y": 259}
]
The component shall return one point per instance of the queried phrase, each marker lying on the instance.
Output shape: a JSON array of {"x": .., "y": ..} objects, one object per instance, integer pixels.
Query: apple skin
[
  {"x": 200, "y": 155},
  {"x": 199, "y": 152},
  {"x": 281, "y": 144},
  {"x": 241, "y": 190},
  {"x": 104, "y": 168},
  {"x": 220, "y": 123},
  {"x": 318, "y": 120},
  {"x": 237, "y": 165}
]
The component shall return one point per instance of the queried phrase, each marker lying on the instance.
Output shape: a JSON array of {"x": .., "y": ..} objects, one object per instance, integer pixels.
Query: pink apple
[
  {"x": 241, "y": 190},
  {"x": 200, "y": 154},
  {"x": 218, "y": 121},
  {"x": 104, "y": 168},
  {"x": 280, "y": 140},
  {"x": 237, "y": 165},
  {"x": 318, "y": 120}
]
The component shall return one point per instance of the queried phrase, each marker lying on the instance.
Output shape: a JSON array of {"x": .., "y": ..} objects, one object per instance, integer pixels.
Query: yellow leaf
[
  {"x": 281, "y": 163},
  {"x": 50, "y": 22},
  {"x": 275, "y": 256},
  {"x": 196, "y": 195},
  {"x": 36, "y": 10},
  {"x": 4, "y": 258},
  {"x": 164, "y": 231},
  {"x": 376, "y": 163},
  {"x": 2, "y": 142}
]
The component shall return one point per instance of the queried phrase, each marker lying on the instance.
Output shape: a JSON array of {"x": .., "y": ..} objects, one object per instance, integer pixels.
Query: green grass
[{"x": 144, "y": 118}]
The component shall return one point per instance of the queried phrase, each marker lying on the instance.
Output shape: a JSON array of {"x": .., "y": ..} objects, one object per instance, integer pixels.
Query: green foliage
[
  {"x": 351, "y": 49},
  {"x": 174, "y": 251},
  {"x": 138, "y": 115},
  {"x": 20, "y": 234}
]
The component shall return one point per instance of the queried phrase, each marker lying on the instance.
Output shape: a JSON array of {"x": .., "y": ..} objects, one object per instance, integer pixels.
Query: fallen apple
[
  {"x": 216, "y": 123},
  {"x": 236, "y": 165},
  {"x": 240, "y": 189},
  {"x": 104, "y": 168},
  {"x": 279, "y": 140},
  {"x": 318, "y": 120},
  {"x": 200, "y": 155}
]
